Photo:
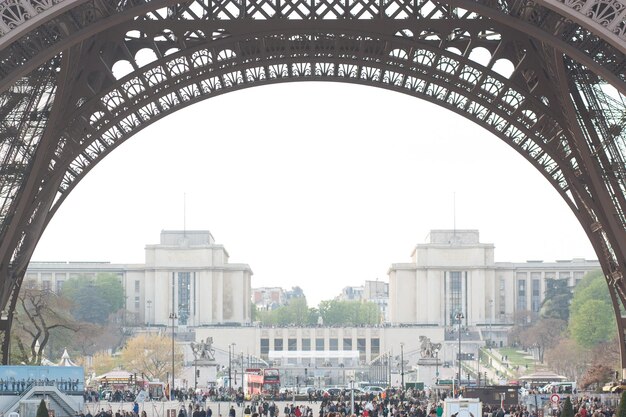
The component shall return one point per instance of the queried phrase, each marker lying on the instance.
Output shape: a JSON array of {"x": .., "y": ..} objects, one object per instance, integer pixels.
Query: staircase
[{"x": 58, "y": 401}]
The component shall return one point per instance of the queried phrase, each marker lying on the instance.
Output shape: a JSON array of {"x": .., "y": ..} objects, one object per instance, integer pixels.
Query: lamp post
[
  {"x": 459, "y": 317},
  {"x": 351, "y": 397},
  {"x": 231, "y": 349},
  {"x": 402, "y": 364},
  {"x": 490, "y": 322},
  {"x": 389, "y": 369},
  {"x": 437, "y": 374},
  {"x": 437, "y": 366},
  {"x": 173, "y": 317}
]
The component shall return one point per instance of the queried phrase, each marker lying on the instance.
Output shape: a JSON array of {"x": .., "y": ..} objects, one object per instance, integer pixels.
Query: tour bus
[
  {"x": 567, "y": 387},
  {"x": 264, "y": 381}
]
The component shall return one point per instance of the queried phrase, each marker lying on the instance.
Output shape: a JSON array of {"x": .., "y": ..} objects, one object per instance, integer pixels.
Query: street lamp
[
  {"x": 490, "y": 322},
  {"x": 351, "y": 397},
  {"x": 195, "y": 374},
  {"x": 173, "y": 316},
  {"x": 459, "y": 317},
  {"x": 402, "y": 364},
  {"x": 231, "y": 349},
  {"x": 437, "y": 365},
  {"x": 437, "y": 373}
]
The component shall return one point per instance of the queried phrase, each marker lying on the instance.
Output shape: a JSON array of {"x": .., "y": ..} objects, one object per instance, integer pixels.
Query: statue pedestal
[
  {"x": 427, "y": 370},
  {"x": 206, "y": 372}
]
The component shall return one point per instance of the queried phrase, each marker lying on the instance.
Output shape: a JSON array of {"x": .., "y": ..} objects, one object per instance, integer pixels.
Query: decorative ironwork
[{"x": 79, "y": 77}]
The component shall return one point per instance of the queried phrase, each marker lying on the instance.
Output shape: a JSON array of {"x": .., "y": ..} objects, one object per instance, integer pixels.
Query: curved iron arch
[
  {"x": 452, "y": 81},
  {"x": 592, "y": 31},
  {"x": 68, "y": 109}
]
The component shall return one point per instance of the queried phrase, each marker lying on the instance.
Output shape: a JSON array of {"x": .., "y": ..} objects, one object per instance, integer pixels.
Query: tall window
[
  {"x": 319, "y": 344},
  {"x": 535, "y": 300},
  {"x": 456, "y": 294},
  {"x": 578, "y": 276},
  {"x": 375, "y": 347},
  {"x": 137, "y": 285},
  {"x": 347, "y": 343},
  {"x": 360, "y": 345},
  {"x": 521, "y": 292},
  {"x": 184, "y": 296},
  {"x": 278, "y": 344},
  {"x": 333, "y": 344},
  {"x": 265, "y": 347},
  {"x": 306, "y": 344},
  {"x": 292, "y": 344},
  {"x": 502, "y": 299}
]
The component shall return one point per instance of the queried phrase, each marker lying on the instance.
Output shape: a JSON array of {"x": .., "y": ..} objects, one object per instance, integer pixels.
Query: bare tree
[
  {"x": 543, "y": 335},
  {"x": 39, "y": 313}
]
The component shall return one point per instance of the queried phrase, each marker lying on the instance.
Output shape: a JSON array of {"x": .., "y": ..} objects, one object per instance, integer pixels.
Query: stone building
[
  {"x": 186, "y": 273},
  {"x": 454, "y": 272}
]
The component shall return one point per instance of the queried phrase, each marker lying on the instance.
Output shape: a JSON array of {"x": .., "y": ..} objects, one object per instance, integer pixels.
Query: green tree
[
  {"x": 111, "y": 289},
  {"x": 621, "y": 409},
  {"x": 557, "y": 299},
  {"x": 349, "y": 313},
  {"x": 42, "y": 410},
  {"x": 568, "y": 410},
  {"x": 254, "y": 312},
  {"x": 592, "y": 319},
  {"x": 591, "y": 323},
  {"x": 95, "y": 299},
  {"x": 592, "y": 287}
]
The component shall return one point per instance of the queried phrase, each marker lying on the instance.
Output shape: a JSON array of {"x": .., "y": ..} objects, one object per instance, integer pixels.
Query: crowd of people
[{"x": 389, "y": 403}]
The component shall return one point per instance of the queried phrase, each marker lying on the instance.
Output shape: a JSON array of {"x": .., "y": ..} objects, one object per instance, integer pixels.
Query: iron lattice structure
[{"x": 64, "y": 107}]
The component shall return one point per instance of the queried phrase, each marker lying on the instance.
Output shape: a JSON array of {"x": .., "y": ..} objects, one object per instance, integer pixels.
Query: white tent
[{"x": 65, "y": 359}]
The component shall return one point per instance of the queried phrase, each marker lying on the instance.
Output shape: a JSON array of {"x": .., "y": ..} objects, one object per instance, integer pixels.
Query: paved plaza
[{"x": 160, "y": 408}]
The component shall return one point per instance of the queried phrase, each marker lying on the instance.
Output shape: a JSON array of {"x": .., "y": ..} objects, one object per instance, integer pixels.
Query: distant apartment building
[
  {"x": 351, "y": 293},
  {"x": 454, "y": 272},
  {"x": 268, "y": 298},
  {"x": 186, "y": 274},
  {"x": 376, "y": 292}
]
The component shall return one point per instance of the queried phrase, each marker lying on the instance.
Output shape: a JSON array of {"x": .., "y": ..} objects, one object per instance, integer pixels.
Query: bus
[{"x": 264, "y": 381}]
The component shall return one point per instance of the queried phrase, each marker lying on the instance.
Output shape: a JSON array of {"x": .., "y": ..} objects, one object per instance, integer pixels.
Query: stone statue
[
  {"x": 203, "y": 350},
  {"x": 427, "y": 348}
]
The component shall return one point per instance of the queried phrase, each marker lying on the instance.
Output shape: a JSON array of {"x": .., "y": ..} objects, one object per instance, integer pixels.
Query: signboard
[
  {"x": 554, "y": 398},
  {"x": 16, "y": 379}
]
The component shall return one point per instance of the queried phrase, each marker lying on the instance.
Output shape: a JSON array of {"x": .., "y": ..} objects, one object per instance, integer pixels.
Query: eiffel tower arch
[{"x": 64, "y": 105}]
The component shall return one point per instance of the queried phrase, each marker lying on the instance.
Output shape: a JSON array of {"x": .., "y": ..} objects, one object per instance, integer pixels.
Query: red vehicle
[{"x": 264, "y": 381}]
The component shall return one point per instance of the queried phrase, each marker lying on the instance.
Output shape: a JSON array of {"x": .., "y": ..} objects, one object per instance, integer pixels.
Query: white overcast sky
[{"x": 320, "y": 185}]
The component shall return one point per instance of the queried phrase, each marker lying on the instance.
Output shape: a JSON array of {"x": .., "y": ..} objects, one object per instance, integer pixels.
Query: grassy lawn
[{"x": 516, "y": 358}]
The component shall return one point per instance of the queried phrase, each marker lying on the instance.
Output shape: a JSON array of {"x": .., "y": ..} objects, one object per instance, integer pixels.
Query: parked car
[
  {"x": 374, "y": 389},
  {"x": 356, "y": 390},
  {"x": 333, "y": 392}
]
